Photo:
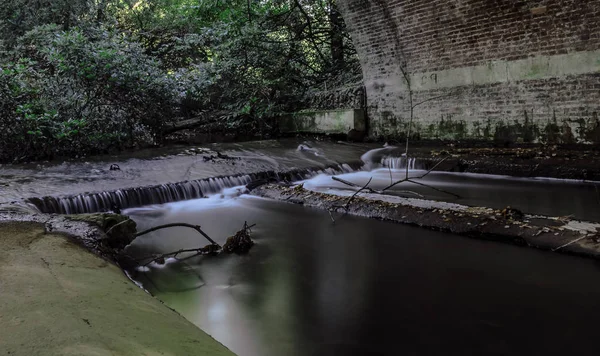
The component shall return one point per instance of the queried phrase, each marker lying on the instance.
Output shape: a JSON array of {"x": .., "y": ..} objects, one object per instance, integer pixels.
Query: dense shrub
[
  {"x": 76, "y": 92},
  {"x": 87, "y": 76}
]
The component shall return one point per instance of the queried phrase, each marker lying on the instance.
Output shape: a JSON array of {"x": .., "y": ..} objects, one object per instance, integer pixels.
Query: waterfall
[
  {"x": 388, "y": 156},
  {"x": 171, "y": 192},
  {"x": 398, "y": 162}
]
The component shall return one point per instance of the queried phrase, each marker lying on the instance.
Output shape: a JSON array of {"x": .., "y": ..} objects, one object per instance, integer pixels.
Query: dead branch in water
[
  {"x": 357, "y": 192},
  {"x": 347, "y": 205},
  {"x": 571, "y": 242},
  {"x": 371, "y": 190},
  {"x": 238, "y": 243},
  {"x": 419, "y": 177},
  {"x": 411, "y": 180},
  {"x": 195, "y": 227}
]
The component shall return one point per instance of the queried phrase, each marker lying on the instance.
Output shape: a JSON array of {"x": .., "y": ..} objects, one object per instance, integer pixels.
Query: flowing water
[
  {"x": 353, "y": 287},
  {"x": 579, "y": 200},
  {"x": 365, "y": 287},
  {"x": 71, "y": 188},
  {"x": 169, "y": 165}
]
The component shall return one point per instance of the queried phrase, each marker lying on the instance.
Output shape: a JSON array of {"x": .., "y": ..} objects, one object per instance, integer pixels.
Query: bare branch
[
  {"x": 355, "y": 194},
  {"x": 434, "y": 188},
  {"x": 213, "y": 248},
  {"x": 331, "y": 216},
  {"x": 345, "y": 182},
  {"x": 154, "y": 258},
  {"x": 395, "y": 184},
  {"x": 409, "y": 192},
  {"x": 420, "y": 177},
  {"x": 432, "y": 168},
  {"x": 195, "y": 227},
  {"x": 570, "y": 243}
]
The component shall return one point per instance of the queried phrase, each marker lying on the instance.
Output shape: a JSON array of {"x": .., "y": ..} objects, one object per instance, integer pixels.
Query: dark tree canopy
[{"x": 88, "y": 76}]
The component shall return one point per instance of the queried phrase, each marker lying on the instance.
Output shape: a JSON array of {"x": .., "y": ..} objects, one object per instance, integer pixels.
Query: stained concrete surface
[{"x": 58, "y": 299}]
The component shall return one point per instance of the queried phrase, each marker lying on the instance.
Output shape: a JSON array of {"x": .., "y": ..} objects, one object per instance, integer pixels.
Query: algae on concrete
[{"x": 56, "y": 298}]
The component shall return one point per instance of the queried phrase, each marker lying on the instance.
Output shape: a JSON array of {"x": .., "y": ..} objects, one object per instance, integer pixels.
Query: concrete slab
[{"x": 56, "y": 298}]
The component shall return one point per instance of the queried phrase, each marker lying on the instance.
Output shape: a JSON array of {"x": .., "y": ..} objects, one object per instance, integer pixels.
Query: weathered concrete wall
[
  {"x": 352, "y": 97},
  {"x": 509, "y": 70},
  {"x": 325, "y": 122}
]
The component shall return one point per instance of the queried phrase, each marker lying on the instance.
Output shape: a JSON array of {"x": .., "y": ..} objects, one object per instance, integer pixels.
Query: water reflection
[{"x": 363, "y": 287}]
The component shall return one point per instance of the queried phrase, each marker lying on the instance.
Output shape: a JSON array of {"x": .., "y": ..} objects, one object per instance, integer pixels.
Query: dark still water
[{"x": 364, "y": 287}]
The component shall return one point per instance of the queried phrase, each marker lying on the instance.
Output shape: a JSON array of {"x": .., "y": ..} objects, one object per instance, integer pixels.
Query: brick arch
[{"x": 506, "y": 69}]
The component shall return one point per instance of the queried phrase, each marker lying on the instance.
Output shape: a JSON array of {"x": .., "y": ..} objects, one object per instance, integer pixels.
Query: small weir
[
  {"x": 172, "y": 192},
  {"x": 399, "y": 162}
]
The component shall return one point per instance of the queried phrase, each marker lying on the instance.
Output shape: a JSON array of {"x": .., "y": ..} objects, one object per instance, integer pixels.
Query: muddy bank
[
  {"x": 59, "y": 299},
  {"x": 507, "y": 225}
]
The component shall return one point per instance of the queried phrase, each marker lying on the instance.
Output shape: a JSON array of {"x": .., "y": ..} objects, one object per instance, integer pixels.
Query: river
[{"x": 365, "y": 287}]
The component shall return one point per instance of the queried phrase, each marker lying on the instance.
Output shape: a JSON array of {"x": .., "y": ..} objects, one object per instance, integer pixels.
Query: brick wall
[{"x": 505, "y": 69}]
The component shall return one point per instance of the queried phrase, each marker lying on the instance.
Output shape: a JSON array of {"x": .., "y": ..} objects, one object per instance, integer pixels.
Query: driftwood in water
[
  {"x": 239, "y": 243},
  {"x": 195, "y": 227}
]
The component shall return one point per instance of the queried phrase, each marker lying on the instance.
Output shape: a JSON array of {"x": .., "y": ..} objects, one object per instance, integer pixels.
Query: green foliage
[
  {"x": 86, "y": 76},
  {"x": 75, "y": 92}
]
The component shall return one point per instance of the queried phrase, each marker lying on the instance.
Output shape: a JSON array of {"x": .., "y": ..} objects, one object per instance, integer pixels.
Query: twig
[
  {"x": 345, "y": 182},
  {"x": 395, "y": 184},
  {"x": 420, "y": 177},
  {"x": 409, "y": 192},
  {"x": 354, "y": 185},
  {"x": 154, "y": 258},
  {"x": 209, "y": 249},
  {"x": 569, "y": 243},
  {"x": 195, "y": 227},
  {"x": 434, "y": 167},
  {"x": 371, "y": 190},
  {"x": 434, "y": 188},
  {"x": 390, "y": 170},
  {"x": 331, "y": 216},
  {"x": 115, "y": 225},
  {"x": 355, "y": 194}
]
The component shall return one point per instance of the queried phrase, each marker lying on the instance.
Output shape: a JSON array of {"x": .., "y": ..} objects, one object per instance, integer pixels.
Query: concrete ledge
[
  {"x": 59, "y": 299},
  {"x": 548, "y": 233},
  {"x": 324, "y": 122}
]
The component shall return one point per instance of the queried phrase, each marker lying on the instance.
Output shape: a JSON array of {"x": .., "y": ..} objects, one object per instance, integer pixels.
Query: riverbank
[
  {"x": 559, "y": 234},
  {"x": 60, "y": 299}
]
